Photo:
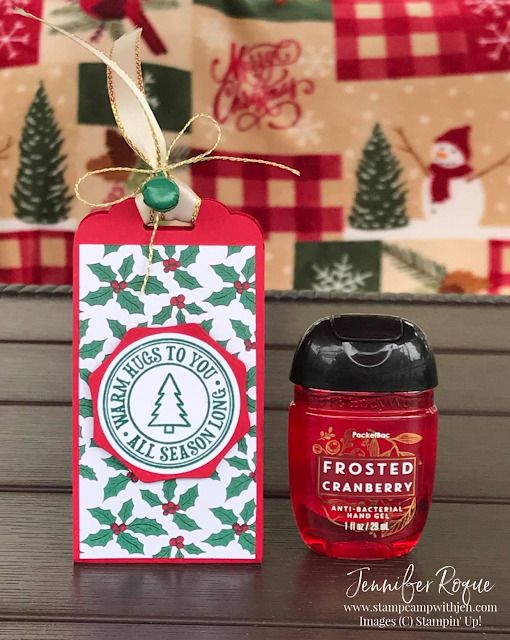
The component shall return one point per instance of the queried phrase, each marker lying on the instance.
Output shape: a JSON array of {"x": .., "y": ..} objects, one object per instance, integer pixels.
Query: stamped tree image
[{"x": 169, "y": 411}]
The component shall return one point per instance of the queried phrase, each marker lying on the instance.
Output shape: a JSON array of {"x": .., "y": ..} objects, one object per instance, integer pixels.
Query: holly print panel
[{"x": 121, "y": 517}]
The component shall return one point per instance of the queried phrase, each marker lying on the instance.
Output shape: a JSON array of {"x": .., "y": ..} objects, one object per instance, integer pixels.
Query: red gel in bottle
[{"x": 362, "y": 436}]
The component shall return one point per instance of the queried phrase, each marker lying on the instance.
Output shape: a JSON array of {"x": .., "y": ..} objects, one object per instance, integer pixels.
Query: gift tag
[{"x": 168, "y": 388}]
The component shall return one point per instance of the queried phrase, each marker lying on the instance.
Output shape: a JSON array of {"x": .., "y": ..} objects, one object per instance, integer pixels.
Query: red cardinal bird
[{"x": 118, "y": 9}]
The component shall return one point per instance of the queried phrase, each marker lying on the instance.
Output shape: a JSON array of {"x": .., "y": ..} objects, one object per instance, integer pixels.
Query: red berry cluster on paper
[
  {"x": 241, "y": 286},
  {"x": 177, "y": 542},
  {"x": 132, "y": 476},
  {"x": 240, "y": 528},
  {"x": 118, "y": 528},
  {"x": 118, "y": 286},
  {"x": 178, "y": 301},
  {"x": 171, "y": 265},
  {"x": 169, "y": 508}
]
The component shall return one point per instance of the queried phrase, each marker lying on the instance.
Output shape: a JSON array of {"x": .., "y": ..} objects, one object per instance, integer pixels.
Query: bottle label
[{"x": 367, "y": 480}]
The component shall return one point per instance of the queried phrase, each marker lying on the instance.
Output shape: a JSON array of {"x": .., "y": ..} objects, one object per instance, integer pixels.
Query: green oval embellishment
[{"x": 160, "y": 194}]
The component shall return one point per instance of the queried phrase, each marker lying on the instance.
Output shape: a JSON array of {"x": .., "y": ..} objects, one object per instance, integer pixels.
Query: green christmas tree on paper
[
  {"x": 169, "y": 411},
  {"x": 40, "y": 192},
  {"x": 380, "y": 201}
]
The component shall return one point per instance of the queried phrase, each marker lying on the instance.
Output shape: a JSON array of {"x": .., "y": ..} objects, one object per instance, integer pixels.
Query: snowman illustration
[{"x": 453, "y": 194}]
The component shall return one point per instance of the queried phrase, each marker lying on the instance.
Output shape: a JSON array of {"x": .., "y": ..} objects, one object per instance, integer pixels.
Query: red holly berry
[
  {"x": 118, "y": 286},
  {"x": 115, "y": 528},
  {"x": 246, "y": 286},
  {"x": 122, "y": 527},
  {"x": 179, "y": 542},
  {"x": 178, "y": 301},
  {"x": 172, "y": 542},
  {"x": 253, "y": 475},
  {"x": 244, "y": 528},
  {"x": 170, "y": 508},
  {"x": 249, "y": 345},
  {"x": 171, "y": 265},
  {"x": 237, "y": 528},
  {"x": 132, "y": 476}
]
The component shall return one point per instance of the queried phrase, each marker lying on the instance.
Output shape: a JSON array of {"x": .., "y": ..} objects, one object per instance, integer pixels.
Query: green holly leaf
[
  {"x": 248, "y": 511},
  {"x": 234, "y": 249},
  {"x": 249, "y": 269},
  {"x": 192, "y": 549},
  {"x": 169, "y": 489},
  {"x": 150, "y": 498},
  {"x": 226, "y": 273},
  {"x": 225, "y": 516},
  {"x": 126, "y": 268},
  {"x": 110, "y": 248},
  {"x": 180, "y": 317},
  {"x": 251, "y": 405},
  {"x": 99, "y": 297},
  {"x": 215, "y": 476},
  {"x": 115, "y": 485},
  {"x": 103, "y": 516},
  {"x": 251, "y": 377},
  {"x": 248, "y": 300},
  {"x": 238, "y": 485},
  {"x": 164, "y": 552},
  {"x": 221, "y": 539},
  {"x": 129, "y": 543},
  {"x": 223, "y": 343},
  {"x": 126, "y": 511},
  {"x": 194, "y": 309},
  {"x": 113, "y": 463},
  {"x": 207, "y": 325},
  {"x": 84, "y": 325},
  {"x": 85, "y": 408},
  {"x": 156, "y": 256},
  {"x": 154, "y": 285},
  {"x": 189, "y": 255},
  {"x": 223, "y": 297},
  {"x": 129, "y": 302},
  {"x": 103, "y": 272},
  {"x": 147, "y": 527},
  {"x": 84, "y": 375},
  {"x": 179, "y": 553},
  {"x": 253, "y": 431},
  {"x": 81, "y": 450},
  {"x": 184, "y": 522},
  {"x": 247, "y": 541},
  {"x": 242, "y": 446},
  {"x": 143, "y": 325},
  {"x": 117, "y": 328},
  {"x": 186, "y": 280},
  {"x": 87, "y": 472},
  {"x": 189, "y": 498},
  {"x": 239, "y": 463},
  {"x": 91, "y": 349},
  {"x": 99, "y": 539},
  {"x": 241, "y": 330},
  {"x": 164, "y": 315}
]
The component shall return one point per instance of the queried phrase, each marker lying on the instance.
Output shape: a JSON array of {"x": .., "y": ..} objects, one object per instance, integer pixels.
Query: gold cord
[
  {"x": 168, "y": 167},
  {"x": 157, "y": 218}
]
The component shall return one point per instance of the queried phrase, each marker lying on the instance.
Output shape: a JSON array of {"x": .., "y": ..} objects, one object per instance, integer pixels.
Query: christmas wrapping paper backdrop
[{"x": 395, "y": 111}]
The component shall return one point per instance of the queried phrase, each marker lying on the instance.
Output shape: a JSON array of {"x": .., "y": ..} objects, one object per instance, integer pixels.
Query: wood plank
[
  {"x": 451, "y": 322},
  {"x": 41, "y": 373},
  {"x": 94, "y": 631},
  {"x": 292, "y": 587},
  {"x": 447, "y": 325},
  {"x": 36, "y": 443}
]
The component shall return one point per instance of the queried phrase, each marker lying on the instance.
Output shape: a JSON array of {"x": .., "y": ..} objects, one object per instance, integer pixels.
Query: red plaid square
[
  {"x": 499, "y": 265},
  {"x": 36, "y": 257},
  {"x": 279, "y": 200},
  {"x": 397, "y": 38}
]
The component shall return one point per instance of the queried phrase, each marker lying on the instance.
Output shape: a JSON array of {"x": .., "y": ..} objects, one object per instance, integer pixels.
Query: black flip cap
[{"x": 356, "y": 352}]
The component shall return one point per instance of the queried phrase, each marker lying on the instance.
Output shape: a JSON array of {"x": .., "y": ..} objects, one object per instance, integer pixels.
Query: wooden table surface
[{"x": 294, "y": 593}]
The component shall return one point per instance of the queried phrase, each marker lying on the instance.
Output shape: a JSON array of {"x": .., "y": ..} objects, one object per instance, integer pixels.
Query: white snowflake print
[
  {"x": 340, "y": 276},
  {"x": 317, "y": 61},
  {"x": 497, "y": 41},
  {"x": 491, "y": 7},
  {"x": 149, "y": 82},
  {"x": 213, "y": 33},
  {"x": 7, "y": 7},
  {"x": 307, "y": 129},
  {"x": 11, "y": 38}
]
